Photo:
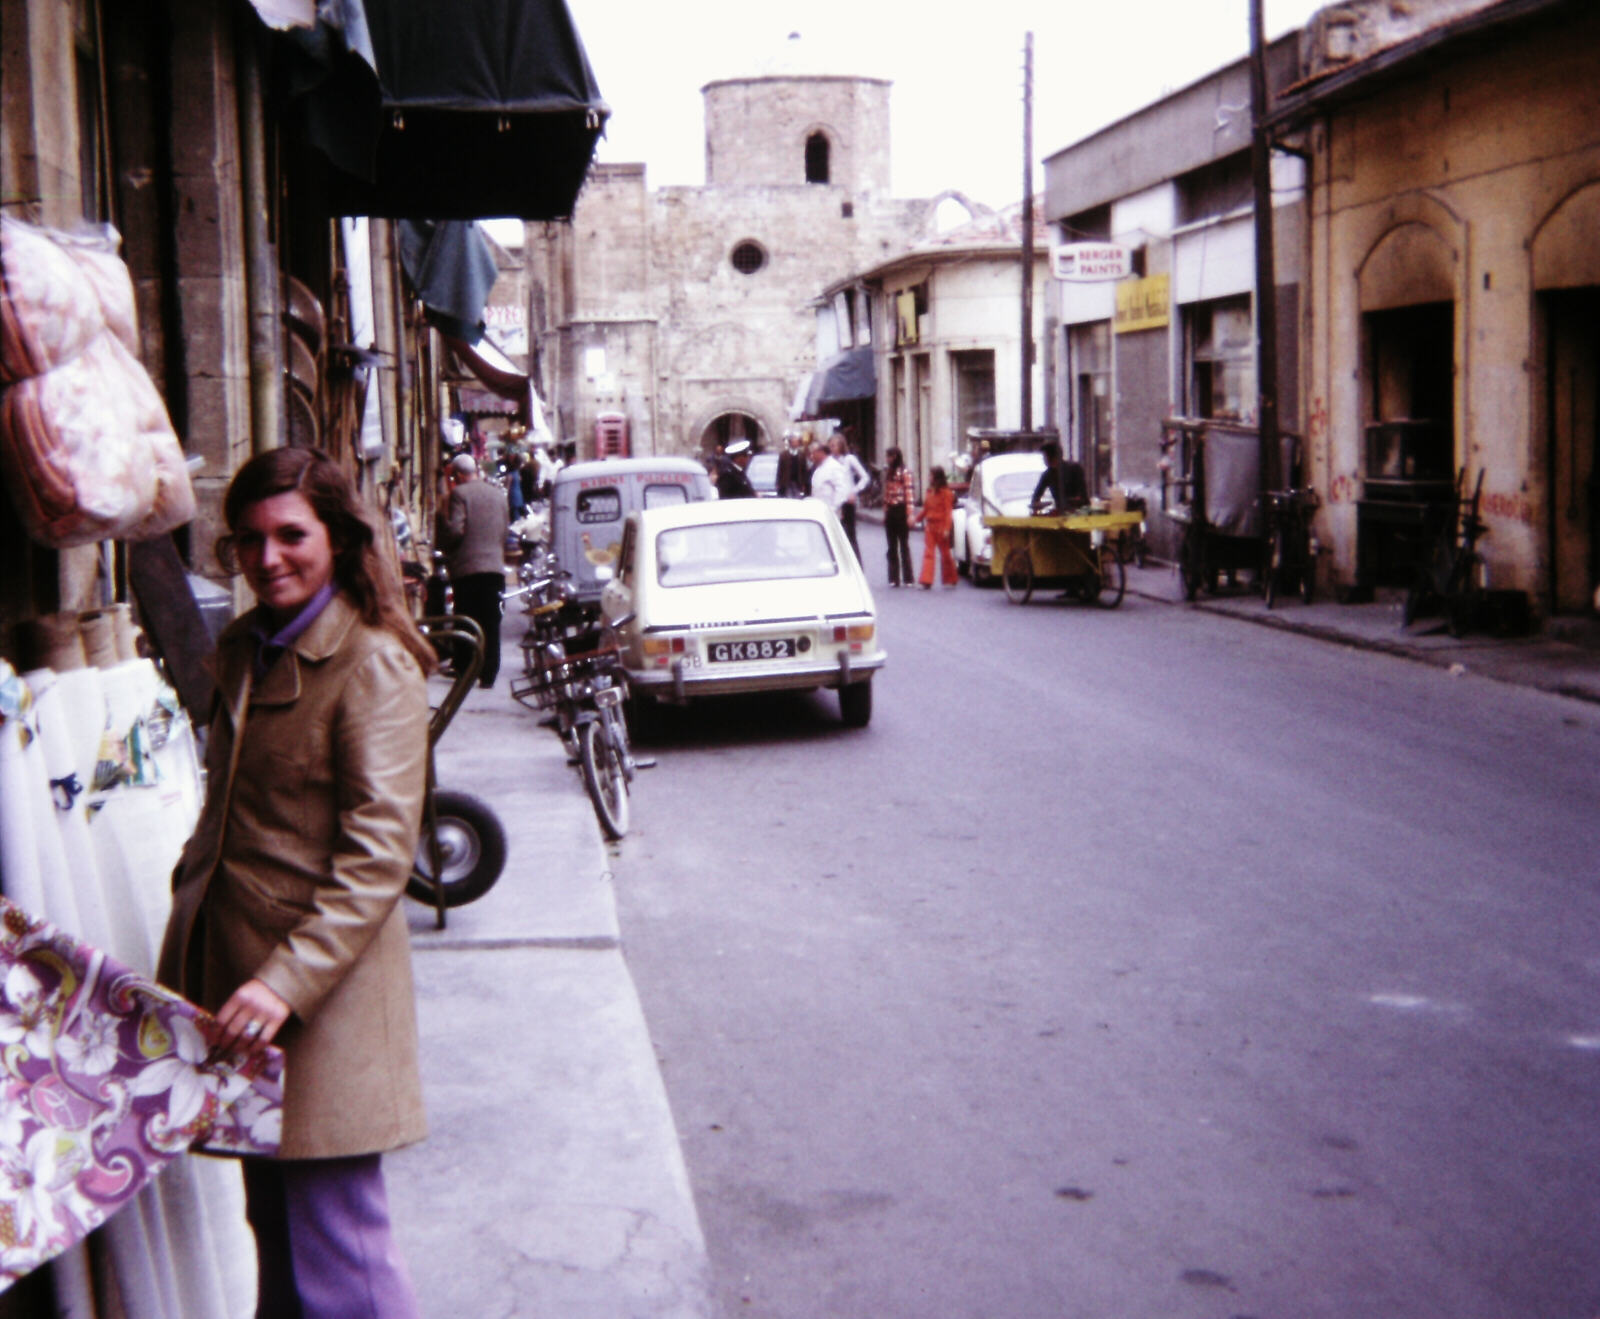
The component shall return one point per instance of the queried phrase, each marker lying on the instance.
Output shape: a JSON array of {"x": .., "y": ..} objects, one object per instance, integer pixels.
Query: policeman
[{"x": 732, "y": 483}]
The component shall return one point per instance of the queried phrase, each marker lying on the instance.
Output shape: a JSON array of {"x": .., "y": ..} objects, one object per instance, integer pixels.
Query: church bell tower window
[{"x": 817, "y": 158}]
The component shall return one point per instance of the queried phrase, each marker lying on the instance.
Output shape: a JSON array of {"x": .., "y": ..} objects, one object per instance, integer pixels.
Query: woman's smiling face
[{"x": 284, "y": 552}]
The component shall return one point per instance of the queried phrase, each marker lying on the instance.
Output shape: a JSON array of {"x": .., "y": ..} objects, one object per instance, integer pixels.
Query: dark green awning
[{"x": 449, "y": 109}]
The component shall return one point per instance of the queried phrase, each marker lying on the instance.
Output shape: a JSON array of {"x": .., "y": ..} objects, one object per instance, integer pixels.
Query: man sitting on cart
[{"x": 1062, "y": 481}]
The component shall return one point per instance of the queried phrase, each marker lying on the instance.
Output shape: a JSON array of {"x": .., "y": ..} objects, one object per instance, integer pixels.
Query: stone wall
[
  {"x": 649, "y": 276},
  {"x": 756, "y": 131}
]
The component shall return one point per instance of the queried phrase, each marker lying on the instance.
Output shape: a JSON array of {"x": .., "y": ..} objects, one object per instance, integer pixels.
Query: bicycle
[
  {"x": 572, "y": 670},
  {"x": 1292, "y": 552},
  {"x": 1450, "y": 573},
  {"x": 1132, "y": 545}
]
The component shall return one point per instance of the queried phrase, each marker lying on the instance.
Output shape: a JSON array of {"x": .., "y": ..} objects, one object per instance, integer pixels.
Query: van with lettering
[{"x": 589, "y": 502}]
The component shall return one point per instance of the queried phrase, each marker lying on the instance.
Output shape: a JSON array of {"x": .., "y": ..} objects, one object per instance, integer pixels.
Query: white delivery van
[{"x": 589, "y": 502}]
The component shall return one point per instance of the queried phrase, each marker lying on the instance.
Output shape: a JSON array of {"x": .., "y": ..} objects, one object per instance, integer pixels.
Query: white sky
[{"x": 956, "y": 103}]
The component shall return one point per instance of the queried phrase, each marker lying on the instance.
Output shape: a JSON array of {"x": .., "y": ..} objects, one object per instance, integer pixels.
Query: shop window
[
  {"x": 817, "y": 151},
  {"x": 1089, "y": 350},
  {"x": 910, "y": 306},
  {"x": 1091, "y": 226},
  {"x": 972, "y": 374},
  {"x": 1215, "y": 189},
  {"x": 1410, "y": 385},
  {"x": 93, "y": 173},
  {"x": 1221, "y": 372}
]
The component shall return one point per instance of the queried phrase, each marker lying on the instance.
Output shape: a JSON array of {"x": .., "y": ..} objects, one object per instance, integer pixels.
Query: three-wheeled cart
[{"x": 1075, "y": 551}]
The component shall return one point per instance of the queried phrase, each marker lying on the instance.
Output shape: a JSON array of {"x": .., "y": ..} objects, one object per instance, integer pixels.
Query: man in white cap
[
  {"x": 732, "y": 483},
  {"x": 472, "y": 534}
]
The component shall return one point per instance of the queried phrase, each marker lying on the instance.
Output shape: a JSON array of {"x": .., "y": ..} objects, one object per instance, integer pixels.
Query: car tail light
[
  {"x": 659, "y": 650},
  {"x": 854, "y": 634}
]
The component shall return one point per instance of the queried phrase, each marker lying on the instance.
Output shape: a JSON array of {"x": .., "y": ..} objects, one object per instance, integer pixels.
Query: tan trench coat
[{"x": 296, "y": 869}]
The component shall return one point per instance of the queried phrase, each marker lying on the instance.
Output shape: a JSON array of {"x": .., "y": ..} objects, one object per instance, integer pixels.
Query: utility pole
[
  {"x": 1266, "y": 298},
  {"x": 1027, "y": 233}
]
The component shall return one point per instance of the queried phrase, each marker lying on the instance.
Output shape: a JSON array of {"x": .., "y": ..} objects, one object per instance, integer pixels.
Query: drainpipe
[
  {"x": 1266, "y": 291},
  {"x": 1027, "y": 233},
  {"x": 261, "y": 267}
]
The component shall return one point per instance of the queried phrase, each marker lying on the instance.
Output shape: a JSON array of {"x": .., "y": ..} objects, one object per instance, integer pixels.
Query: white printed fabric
[{"x": 105, "y": 1077}]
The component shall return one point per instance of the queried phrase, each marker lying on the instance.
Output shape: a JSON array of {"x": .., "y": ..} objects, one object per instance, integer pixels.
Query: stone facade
[
  {"x": 1455, "y": 288},
  {"x": 689, "y": 309}
]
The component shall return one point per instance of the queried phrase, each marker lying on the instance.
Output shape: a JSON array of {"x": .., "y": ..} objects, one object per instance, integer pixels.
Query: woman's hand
[{"x": 249, "y": 1019}]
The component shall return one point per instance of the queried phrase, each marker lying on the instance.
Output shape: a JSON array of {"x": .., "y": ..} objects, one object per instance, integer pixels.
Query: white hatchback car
[
  {"x": 745, "y": 595},
  {"x": 1002, "y": 486}
]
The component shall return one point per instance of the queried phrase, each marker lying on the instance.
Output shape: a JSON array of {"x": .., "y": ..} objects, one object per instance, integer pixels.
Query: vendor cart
[{"x": 1075, "y": 551}]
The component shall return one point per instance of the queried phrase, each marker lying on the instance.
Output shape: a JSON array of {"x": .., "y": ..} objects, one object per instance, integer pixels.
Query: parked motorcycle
[{"x": 571, "y": 669}]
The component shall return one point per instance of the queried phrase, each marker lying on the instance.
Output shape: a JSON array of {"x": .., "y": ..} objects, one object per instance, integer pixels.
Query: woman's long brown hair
[{"x": 359, "y": 569}]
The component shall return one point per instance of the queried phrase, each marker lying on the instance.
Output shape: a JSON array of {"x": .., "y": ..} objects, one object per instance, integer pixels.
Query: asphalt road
[{"x": 1132, "y": 963}]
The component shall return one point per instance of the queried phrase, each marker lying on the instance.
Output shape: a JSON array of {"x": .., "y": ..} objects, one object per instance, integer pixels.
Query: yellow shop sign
[{"x": 1143, "y": 304}]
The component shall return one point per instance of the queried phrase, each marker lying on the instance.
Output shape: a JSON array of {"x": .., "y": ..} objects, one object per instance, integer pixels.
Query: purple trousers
[{"x": 323, "y": 1243}]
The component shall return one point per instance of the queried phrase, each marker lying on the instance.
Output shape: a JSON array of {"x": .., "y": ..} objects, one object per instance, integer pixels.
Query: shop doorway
[
  {"x": 1409, "y": 439},
  {"x": 1572, "y": 405}
]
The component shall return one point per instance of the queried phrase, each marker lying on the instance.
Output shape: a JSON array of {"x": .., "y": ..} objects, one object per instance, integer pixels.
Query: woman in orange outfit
[{"x": 937, "y": 516}]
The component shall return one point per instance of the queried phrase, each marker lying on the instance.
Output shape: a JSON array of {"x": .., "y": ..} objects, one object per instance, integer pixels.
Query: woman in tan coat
[{"x": 286, "y": 920}]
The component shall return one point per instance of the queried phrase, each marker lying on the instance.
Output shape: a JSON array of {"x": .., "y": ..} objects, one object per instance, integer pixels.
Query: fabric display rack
[{"x": 100, "y": 786}]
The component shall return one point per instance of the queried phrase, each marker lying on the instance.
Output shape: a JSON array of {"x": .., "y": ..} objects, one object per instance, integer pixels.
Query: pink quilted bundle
[{"x": 86, "y": 447}]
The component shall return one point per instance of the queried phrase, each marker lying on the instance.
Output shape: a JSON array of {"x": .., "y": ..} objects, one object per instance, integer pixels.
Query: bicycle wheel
[
  {"x": 1189, "y": 568},
  {"x": 472, "y": 849},
  {"x": 617, "y": 726},
  {"x": 1421, "y": 588},
  {"x": 1274, "y": 567},
  {"x": 1017, "y": 576},
  {"x": 1113, "y": 577},
  {"x": 604, "y": 778}
]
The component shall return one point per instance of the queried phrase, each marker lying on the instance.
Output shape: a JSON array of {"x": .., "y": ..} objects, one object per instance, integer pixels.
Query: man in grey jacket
[{"x": 472, "y": 534}]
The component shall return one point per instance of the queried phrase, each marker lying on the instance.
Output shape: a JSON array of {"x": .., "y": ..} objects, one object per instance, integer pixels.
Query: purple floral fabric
[{"x": 105, "y": 1077}]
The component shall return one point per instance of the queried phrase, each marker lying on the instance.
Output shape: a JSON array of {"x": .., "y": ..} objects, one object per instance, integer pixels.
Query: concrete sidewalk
[
  {"x": 1564, "y": 658},
  {"x": 551, "y": 1182}
]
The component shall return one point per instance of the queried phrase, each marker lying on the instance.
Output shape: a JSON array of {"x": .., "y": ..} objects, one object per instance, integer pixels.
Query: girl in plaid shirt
[{"x": 897, "y": 500}]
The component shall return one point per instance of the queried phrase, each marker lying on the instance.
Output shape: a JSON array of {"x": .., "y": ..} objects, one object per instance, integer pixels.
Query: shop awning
[
  {"x": 449, "y": 109},
  {"x": 451, "y": 268},
  {"x": 500, "y": 377},
  {"x": 843, "y": 378}
]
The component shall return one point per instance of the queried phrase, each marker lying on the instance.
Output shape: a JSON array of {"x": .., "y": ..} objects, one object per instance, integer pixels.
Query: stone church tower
[{"x": 690, "y": 310}]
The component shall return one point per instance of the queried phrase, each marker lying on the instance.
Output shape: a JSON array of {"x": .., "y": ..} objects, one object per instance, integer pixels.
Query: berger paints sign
[
  {"x": 1143, "y": 304},
  {"x": 1089, "y": 263}
]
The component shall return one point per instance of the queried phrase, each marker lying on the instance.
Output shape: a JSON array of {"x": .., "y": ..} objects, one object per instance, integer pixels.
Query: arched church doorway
[{"x": 727, "y": 427}]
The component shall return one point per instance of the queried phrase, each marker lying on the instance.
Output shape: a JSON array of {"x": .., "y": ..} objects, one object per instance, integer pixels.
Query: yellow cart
[{"x": 1077, "y": 552}]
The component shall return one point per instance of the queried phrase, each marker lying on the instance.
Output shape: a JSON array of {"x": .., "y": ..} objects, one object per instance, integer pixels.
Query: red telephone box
[{"x": 611, "y": 435}]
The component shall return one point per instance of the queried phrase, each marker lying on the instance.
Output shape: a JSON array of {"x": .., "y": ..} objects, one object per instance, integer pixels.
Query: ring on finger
[{"x": 252, "y": 1030}]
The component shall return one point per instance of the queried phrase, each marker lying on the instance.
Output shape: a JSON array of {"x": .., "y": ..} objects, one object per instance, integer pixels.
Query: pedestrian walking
[
  {"x": 897, "y": 495},
  {"x": 286, "y": 921},
  {"x": 859, "y": 480},
  {"x": 516, "y": 500},
  {"x": 794, "y": 473},
  {"x": 829, "y": 481},
  {"x": 937, "y": 516},
  {"x": 472, "y": 534}
]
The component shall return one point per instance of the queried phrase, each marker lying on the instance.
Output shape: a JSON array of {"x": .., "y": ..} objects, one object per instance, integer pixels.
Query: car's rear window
[
  {"x": 1014, "y": 485},
  {"x": 600, "y": 505},
  {"x": 660, "y": 496},
  {"x": 743, "y": 552}
]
